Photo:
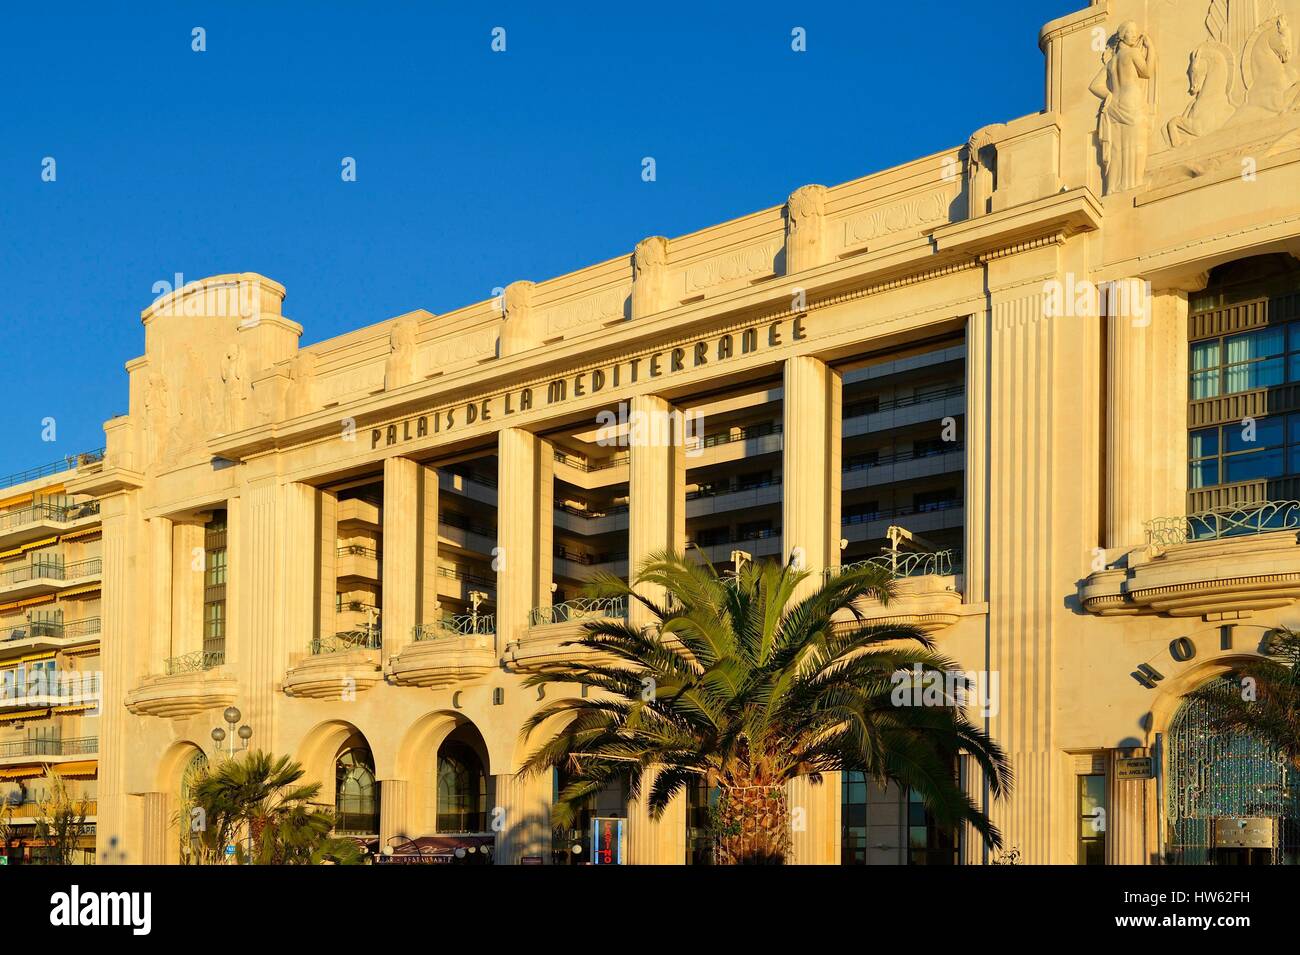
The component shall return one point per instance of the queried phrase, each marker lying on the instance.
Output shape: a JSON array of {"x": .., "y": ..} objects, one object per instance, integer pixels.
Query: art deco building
[
  {"x": 1050, "y": 376},
  {"x": 50, "y": 573}
]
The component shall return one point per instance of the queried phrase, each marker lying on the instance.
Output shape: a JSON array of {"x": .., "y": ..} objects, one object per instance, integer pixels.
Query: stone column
[
  {"x": 302, "y": 558},
  {"x": 401, "y": 545},
  {"x": 427, "y": 609},
  {"x": 1146, "y": 412},
  {"x": 815, "y": 820},
  {"x": 525, "y": 532},
  {"x": 394, "y": 812},
  {"x": 1131, "y": 814},
  {"x": 156, "y": 828},
  {"x": 160, "y": 593},
  {"x": 659, "y": 841},
  {"x": 656, "y": 489},
  {"x": 188, "y": 565},
  {"x": 525, "y": 817},
  {"x": 975, "y": 440},
  {"x": 327, "y": 530}
]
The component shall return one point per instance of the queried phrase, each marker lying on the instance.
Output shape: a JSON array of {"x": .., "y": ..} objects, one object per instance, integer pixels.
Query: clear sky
[{"x": 474, "y": 168}]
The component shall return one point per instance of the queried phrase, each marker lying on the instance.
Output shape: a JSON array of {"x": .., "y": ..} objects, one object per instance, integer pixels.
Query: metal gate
[{"x": 1232, "y": 798}]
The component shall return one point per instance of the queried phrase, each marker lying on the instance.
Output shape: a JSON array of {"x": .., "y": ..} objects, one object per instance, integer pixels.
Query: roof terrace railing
[{"x": 54, "y": 467}]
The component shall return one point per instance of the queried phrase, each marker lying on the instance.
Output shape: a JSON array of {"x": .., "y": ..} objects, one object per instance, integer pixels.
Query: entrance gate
[{"x": 1232, "y": 798}]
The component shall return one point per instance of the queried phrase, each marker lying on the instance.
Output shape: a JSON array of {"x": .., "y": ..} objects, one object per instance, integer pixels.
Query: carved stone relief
[
  {"x": 399, "y": 369},
  {"x": 1126, "y": 85}
]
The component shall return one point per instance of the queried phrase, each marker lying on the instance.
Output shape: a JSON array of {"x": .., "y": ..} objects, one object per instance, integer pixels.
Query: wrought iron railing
[
  {"x": 344, "y": 640},
  {"x": 467, "y": 578},
  {"x": 45, "y": 511},
  {"x": 358, "y": 550},
  {"x": 928, "y": 564},
  {"x": 79, "y": 746},
  {"x": 194, "y": 662},
  {"x": 583, "y": 608},
  {"x": 54, "y": 467},
  {"x": 604, "y": 464},
  {"x": 84, "y": 627},
  {"x": 1238, "y": 520},
  {"x": 860, "y": 409},
  {"x": 462, "y": 625}
]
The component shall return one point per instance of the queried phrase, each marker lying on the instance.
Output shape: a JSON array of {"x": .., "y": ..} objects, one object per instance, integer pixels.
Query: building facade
[
  {"x": 1049, "y": 376},
  {"x": 50, "y": 582}
]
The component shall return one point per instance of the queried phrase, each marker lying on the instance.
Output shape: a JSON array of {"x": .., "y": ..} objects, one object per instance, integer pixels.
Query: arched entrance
[
  {"x": 195, "y": 768},
  {"x": 462, "y": 783},
  {"x": 1231, "y": 798}
]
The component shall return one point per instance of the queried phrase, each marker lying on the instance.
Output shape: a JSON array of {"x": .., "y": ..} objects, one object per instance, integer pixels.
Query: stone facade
[{"x": 987, "y": 347}]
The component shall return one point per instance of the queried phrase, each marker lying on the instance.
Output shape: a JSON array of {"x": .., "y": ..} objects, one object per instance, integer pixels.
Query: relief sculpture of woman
[{"x": 1126, "y": 86}]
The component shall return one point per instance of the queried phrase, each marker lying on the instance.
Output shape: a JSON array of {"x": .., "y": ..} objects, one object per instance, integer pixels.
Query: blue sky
[{"x": 474, "y": 168}]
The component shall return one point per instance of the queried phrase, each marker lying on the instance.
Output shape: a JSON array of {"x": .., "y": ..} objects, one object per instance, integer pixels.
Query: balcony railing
[
  {"x": 906, "y": 510},
  {"x": 195, "y": 662},
  {"x": 860, "y": 409},
  {"x": 357, "y": 550},
  {"x": 463, "y": 625},
  {"x": 938, "y": 564},
  {"x": 346, "y": 640},
  {"x": 1241, "y": 520},
  {"x": 612, "y": 461},
  {"x": 80, "y": 746},
  {"x": 51, "y": 570},
  {"x": 467, "y": 578},
  {"x": 585, "y": 608},
  {"x": 45, "y": 511},
  {"x": 87, "y": 626},
  {"x": 54, "y": 467},
  {"x": 74, "y": 686}
]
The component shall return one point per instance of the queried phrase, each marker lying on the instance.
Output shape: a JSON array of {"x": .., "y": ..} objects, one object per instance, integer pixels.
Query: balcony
[
  {"x": 337, "y": 665},
  {"x": 450, "y": 650},
  {"x": 84, "y": 461},
  {"x": 51, "y": 751},
  {"x": 47, "y": 576},
  {"x": 926, "y": 594},
  {"x": 36, "y": 520},
  {"x": 1223, "y": 564},
  {"x": 39, "y": 635},
  {"x": 189, "y": 684},
  {"x": 553, "y": 630},
  {"x": 357, "y": 562},
  {"x": 47, "y": 688}
]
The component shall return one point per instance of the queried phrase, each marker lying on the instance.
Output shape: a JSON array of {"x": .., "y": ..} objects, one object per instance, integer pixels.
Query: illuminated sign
[{"x": 607, "y": 841}]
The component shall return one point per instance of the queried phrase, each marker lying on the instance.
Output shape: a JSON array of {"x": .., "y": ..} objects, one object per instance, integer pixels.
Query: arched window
[
  {"x": 462, "y": 789},
  {"x": 356, "y": 793}
]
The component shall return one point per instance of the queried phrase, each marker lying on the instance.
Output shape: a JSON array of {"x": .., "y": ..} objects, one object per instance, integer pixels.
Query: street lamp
[{"x": 219, "y": 735}]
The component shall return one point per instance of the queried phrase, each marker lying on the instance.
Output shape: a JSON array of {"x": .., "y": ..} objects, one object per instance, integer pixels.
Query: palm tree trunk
[{"x": 753, "y": 825}]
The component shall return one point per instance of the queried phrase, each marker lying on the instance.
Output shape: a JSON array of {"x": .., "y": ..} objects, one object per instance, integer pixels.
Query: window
[
  {"x": 462, "y": 789},
  {"x": 1092, "y": 819},
  {"x": 356, "y": 793},
  {"x": 928, "y": 843},
  {"x": 214, "y": 588},
  {"x": 701, "y": 804},
  {"x": 853, "y": 819},
  {"x": 1263, "y": 358},
  {"x": 1265, "y": 449}
]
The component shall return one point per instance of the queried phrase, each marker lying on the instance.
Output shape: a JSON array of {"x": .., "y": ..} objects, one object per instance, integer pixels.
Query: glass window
[
  {"x": 928, "y": 843},
  {"x": 1255, "y": 374},
  {"x": 1266, "y": 433},
  {"x": 1092, "y": 820},
  {"x": 1203, "y": 474},
  {"x": 1204, "y": 443},
  {"x": 853, "y": 819},
  {"x": 462, "y": 789},
  {"x": 1263, "y": 343},
  {"x": 1254, "y": 467},
  {"x": 356, "y": 793}
]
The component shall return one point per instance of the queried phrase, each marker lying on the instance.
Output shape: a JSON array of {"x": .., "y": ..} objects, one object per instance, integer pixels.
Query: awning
[
  {"x": 82, "y": 591},
  {"x": 77, "y": 535},
  {"x": 434, "y": 850},
  {"x": 29, "y": 602},
  {"x": 81, "y": 769}
]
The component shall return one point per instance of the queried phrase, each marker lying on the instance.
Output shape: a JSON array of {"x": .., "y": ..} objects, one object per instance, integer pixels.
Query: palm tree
[
  {"x": 1264, "y": 698},
  {"x": 743, "y": 686},
  {"x": 61, "y": 819},
  {"x": 257, "y": 803}
]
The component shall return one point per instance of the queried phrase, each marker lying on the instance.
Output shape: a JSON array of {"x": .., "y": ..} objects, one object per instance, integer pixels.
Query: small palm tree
[
  {"x": 60, "y": 819},
  {"x": 744, "y": 687},
  {"x": 256, "y": 803},
  {"x": 1264, "y": 698}
]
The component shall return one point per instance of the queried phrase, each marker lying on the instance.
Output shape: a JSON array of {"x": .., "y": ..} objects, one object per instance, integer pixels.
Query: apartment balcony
[
  {"x": 337, "y": 665},
  {"x": 24, "y": 524},
  {"x": 871, "y": 416},
  {"x": 458, "y": 584},
  {"x": 896, "y": 467},
  {"x": 53, "y": 752},
  {"x": 189, "y": 684},
  {"x": 42, "y": 635},
  {"x": 552, "y": 632},
  {"x": 48, "y": 688},
  {"x": 47, "y": 577},
  {"x": 451, "y": 650},
  {"x": 1222, "y": 564},
  {"x": 359, "y": 514},
  {"x": 926, "y": 591},
  {"x": 359, "y": 563}
]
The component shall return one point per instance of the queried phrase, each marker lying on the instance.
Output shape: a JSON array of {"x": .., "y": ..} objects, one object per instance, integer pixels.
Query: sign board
[
  {"x": 608, "y": 837},
  {"x": 531, "y": 860},
  {"x": 1136, "y": 767},
  {"x": 1245, "y": 832}
]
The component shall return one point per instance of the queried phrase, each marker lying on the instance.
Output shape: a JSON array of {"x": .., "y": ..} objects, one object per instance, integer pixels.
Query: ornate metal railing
[
  {"x": 346, "y": 640},
  {"x": 463, "y": 625},
  {"x": 358, "y": 550},
  {"x": 584, "y": 608},
  {"x": 936, "y": 564},
  {"x": 194, "y": 662},
  {"x": 1239, "y": 520}
]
